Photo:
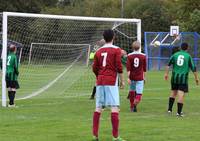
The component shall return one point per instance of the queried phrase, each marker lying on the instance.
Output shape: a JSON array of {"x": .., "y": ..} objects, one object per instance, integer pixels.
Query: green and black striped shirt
[
  {"x": 12, "y": 67},
  {"x": 182, "y": 63}
]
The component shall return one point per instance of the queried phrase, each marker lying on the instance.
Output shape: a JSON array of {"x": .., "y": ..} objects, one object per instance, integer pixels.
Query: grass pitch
[{"x": 64, "y": 112}]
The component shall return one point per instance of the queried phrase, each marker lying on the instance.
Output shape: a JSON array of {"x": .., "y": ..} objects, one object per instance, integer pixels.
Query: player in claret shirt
[
  {"x": 136, "y": 68},
  {"x": 107, "y": 67}
]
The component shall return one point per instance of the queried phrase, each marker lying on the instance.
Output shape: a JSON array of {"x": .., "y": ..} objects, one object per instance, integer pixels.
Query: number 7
[{"x": 104, "y": 58}]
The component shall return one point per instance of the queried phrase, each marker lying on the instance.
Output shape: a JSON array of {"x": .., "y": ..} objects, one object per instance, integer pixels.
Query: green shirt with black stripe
[
  {"x": 182, "y": 63},
  {"x": 12, "y": 67}
]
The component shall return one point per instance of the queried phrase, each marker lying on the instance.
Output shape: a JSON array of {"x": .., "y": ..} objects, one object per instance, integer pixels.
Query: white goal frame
[
  {"x": 60, "y": 44},
  {"x": 15, "y": 14}
]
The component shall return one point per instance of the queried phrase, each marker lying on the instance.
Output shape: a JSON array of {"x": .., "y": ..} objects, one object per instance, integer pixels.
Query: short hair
[
  {"x": 184, "y": 46},
  {"x": 136, "y": 45},
  {"x": 108, "y": 35},
  {"x": 12, "y": 48}
]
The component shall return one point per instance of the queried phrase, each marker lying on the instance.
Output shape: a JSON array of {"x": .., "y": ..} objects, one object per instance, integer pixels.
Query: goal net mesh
[
  {"x": 158, "y": 57},
  {"x": 53, "y": 53}
]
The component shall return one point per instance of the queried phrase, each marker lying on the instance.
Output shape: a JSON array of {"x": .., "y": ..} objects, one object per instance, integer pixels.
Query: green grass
[{"x": 64, "y": 112}]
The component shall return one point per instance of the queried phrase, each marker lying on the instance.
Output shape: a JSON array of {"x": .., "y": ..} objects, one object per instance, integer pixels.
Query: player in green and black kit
[
  {"x": 12, "y": 74},
  {"x": 181, "y": 62}
]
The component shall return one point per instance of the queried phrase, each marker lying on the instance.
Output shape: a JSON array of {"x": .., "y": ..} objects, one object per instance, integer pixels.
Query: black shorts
[
  {"x": 181, "y": 87},
  {"x": 12, "y": 84}
]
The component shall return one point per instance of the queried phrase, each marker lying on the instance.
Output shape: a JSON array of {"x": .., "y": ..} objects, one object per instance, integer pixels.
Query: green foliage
[
  {"x": 152, "y": 13},
  {"x": 194, "y": 21},
  {"x": 21, "y": 6}
]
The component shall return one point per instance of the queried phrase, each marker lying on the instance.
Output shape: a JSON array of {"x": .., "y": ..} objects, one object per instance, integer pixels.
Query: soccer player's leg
[
  {"x": 139, "y": 92},
  {"x": 172, "y": 97},
  {"x": 93, "y": 93},
  {"x": 180, "y": 102},
  {"x": 10, "y": 88},
  {"x": 182, "y": 89},
  {"x": 14, "y": 85},
  {"x": 112, "y": 100},
  {"x": 100, "y": 102},
  {"x": 132, "y": 95}
]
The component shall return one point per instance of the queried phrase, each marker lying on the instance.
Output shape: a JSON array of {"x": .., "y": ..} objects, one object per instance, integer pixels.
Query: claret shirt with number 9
[
  {"x": 136, "y": 64},
  {"x": 107, "y": 64}
]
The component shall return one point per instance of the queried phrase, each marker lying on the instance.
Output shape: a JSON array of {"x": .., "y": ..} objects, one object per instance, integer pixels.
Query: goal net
[
  {"x": 54, "y": 60},
  {"x": 158, "y": 57}
]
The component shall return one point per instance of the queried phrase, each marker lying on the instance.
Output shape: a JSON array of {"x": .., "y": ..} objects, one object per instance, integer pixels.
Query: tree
[
  {"x": 29, "y": 6},
  {"x": 188, "y": 15},
  {"x": 152, "y": 13}
]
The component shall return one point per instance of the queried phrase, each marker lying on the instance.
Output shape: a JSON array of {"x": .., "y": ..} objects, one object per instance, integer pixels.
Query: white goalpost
[{"x": 56, "y": 48}]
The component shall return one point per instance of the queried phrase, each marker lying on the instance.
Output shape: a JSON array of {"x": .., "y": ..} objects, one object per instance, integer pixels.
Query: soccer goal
[
  {"x": 54, "y": 48},
  {"x": 158, "y": 57},
  {"x": 54, "y": 59}
]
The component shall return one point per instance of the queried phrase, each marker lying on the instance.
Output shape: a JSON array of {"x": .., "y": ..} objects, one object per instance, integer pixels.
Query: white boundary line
[{"x": 51, "y": 83}]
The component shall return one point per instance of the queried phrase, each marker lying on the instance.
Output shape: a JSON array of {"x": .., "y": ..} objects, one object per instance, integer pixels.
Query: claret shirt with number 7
[
  {"x": 136, "y": 64},
  {"x": 107, "y": 64}
]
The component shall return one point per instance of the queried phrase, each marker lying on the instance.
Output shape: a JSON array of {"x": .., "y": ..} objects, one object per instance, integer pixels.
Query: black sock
[
  {"x": 10, "y": 96},
  {"x": 171, "y": 103},
  {"x": 180, "y": 106},
  {"x": 93, "y": 92}
]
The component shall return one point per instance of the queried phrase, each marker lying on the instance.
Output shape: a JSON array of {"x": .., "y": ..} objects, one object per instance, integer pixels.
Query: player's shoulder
[
  {"x": 109, "y": 47},
  {"x": 136, "y": 53},
  {"x": 11, "y": 55},
  {"x": 181, "y": 52}
]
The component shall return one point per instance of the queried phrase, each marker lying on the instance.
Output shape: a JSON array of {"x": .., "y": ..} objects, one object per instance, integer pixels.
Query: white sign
[{"x": 174, "y": 30}]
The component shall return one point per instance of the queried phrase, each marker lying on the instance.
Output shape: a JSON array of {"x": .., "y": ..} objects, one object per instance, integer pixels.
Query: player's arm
[
  {"x": 194, "y": 70},
  {"x": 16, "y": 66},
  {"x": 128, "y": 68},
  {"x": 95, "y": 66},
  {"x": 167, "y": 68},
  {"x": 120, "y": 68},
  {"x": 145, "y": 68}
]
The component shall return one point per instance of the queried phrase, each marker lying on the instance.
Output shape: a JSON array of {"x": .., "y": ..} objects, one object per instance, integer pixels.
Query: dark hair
[
  {"x": 184, "y": 46},
  {"x": 12, "y": 48},
  {"x": 108, "y": 35}
]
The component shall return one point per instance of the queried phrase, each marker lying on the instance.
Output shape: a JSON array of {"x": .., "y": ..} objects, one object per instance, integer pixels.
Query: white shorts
[
  {"x": 137, "y": 86},
  {"x": 107, "y": 96}
]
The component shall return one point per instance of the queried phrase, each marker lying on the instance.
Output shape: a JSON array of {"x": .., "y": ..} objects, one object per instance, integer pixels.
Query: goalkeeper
[{"x": 12, "y": 74}]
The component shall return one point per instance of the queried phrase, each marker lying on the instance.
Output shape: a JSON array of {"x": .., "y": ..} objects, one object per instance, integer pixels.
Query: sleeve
[
  {"x": 118, "y": 61},
  {"x": 192, "y": 65},
  {"x": 128, "y": 64},
  {"x": 95, "y": 66},
  {"x": 171, "y": 61},
  {"x": 16, "y": 66},
  {"x": 145, "y": 64}
]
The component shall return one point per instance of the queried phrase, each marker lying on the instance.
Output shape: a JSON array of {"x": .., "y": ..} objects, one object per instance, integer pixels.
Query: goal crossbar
[{"x": 70, "y": 17}]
